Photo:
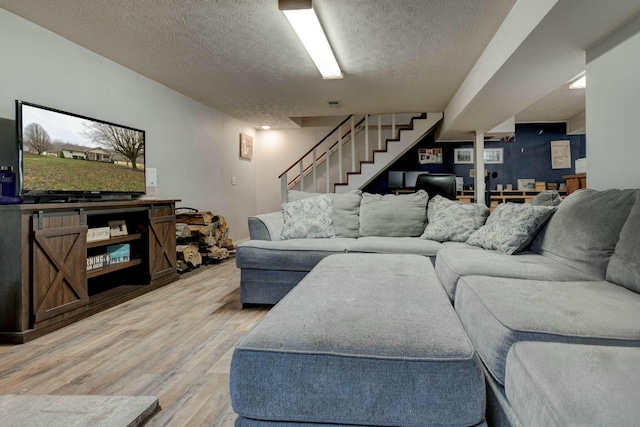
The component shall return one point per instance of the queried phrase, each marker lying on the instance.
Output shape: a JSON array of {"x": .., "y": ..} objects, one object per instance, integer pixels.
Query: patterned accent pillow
[
  {"x": 511, "y": 227},
  {"x": 453, "y": 221},
  {"x": 308, "y": 218}
]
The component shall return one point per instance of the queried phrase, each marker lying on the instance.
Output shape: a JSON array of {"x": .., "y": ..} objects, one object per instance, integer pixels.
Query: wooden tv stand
[{"x": 44, "y": 282}]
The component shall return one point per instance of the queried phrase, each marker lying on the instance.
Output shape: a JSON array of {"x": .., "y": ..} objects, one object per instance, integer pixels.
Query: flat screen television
[{"x": 68, "y": 155}]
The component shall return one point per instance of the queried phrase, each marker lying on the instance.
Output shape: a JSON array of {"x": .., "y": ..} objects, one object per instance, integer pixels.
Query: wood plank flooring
[{"x": 174, "y": 343}]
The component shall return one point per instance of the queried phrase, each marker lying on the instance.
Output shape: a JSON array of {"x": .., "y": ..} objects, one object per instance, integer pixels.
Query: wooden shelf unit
[
  {"x": 516, "y": 196},
  {"x": 44, "y": 280}
]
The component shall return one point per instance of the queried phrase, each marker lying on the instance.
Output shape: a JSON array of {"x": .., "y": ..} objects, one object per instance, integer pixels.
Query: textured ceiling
[
  {"x": 242, "y": 58},
  {"x": 560, "y": 105}
]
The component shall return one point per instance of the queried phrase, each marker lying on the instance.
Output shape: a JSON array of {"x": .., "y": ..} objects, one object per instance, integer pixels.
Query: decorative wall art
[
  {"x": 246, "y": 146},
  {"x": 493, "y": 155},
  {"x": 463, "y": 156},
  {"x": 430, "y": 156},
  {"x": 561, "y": 154}
]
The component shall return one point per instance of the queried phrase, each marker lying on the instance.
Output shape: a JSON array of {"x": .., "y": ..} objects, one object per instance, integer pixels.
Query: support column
[{"x": 478, "y": 165}]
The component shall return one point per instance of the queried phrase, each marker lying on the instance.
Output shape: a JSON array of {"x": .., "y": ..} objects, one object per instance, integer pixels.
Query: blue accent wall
[{"x": 528, "y": 157}]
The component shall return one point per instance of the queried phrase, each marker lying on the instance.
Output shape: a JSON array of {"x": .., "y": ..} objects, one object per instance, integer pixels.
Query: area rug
[{"x": 59, "y": 411}]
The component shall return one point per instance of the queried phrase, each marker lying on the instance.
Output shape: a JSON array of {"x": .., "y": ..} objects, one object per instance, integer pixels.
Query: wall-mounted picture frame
[
  {"x": 527, "y": 184},
  {"x": 462, "y": 156},
  {"x": 118, "y": 228},
  {"x": 429, "y": 156},
  {"x": 493, "y": 155},
  {"x": 561, "y": 154},
  {"x": 246, "y": 146}
]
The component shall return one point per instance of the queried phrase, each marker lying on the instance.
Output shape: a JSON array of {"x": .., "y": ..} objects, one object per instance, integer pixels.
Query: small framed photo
[
  {"x": 430, "y": 156},
  {"x": 246, "y": 146},
  {"x": 117, "y": 228},
  {"x": 463, "y": 156},
  {"x": 493, "y": 155}
]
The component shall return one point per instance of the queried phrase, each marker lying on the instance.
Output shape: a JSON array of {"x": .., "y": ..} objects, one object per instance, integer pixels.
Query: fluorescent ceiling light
[
  {"x": 266, "y": 127},
  {"x": 307, "y": 26},
  {"x": 579, "y": 82}
]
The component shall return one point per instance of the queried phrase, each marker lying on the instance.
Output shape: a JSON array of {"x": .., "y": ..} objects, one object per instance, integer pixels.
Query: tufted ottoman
[{"x": 363, "y": 339}]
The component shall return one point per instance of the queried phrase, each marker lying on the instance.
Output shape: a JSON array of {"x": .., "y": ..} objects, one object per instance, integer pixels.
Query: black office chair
[{"x": 443, "y": 184}]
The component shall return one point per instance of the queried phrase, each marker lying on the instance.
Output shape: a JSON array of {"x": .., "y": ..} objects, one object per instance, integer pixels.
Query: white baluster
[
  {"x": 366, "y": 137},
  {"x": 353, "y": 144},
  {"x": 328, "y": 154},
  {"x": 379, "y": 132},
  {"x": 393, "y": 126},
  {"x": 283, "y": 188},
  {"x": 301, "y": 176},
  {"x": 315, "y": 172},
  {"x": 339, "y": 156}
]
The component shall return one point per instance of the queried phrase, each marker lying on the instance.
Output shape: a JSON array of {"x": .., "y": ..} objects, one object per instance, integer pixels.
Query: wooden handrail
[{"x": 315, "y": 146}]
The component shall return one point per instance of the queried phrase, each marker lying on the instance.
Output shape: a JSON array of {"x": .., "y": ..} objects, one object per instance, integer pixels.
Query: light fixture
[
  {"x": 266, "y": 127},
  {"x": 579, "y": 81},
  {"x": 305, "y": 22}
]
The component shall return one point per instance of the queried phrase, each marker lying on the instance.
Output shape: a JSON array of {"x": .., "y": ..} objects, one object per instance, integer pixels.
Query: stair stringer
[{"x": 383, "y": 159}]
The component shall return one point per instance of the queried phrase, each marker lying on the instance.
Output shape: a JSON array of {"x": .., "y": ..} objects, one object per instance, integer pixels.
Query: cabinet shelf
[
  {"x": 114, "y": 240},
  {"x": 112, "y": 268}
]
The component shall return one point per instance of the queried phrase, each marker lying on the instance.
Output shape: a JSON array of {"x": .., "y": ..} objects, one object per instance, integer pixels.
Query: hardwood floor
[{"x": 174, "y": 343}]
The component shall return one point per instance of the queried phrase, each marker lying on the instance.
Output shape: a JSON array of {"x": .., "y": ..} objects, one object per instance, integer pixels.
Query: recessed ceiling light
[{"x": 266, "y": 127}]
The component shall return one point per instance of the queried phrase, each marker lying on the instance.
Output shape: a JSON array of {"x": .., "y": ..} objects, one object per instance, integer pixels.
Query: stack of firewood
[{"x": 202, "y": 238}]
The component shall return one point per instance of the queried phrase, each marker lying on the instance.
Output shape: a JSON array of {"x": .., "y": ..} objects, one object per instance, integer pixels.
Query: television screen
[
  {"x": 411, "y": 177},
  {"x": 65, "y": 153},
  {"x": 396, "y": 179}
]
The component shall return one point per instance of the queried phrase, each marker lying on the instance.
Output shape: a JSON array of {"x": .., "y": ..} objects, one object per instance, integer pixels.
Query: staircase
[{"x": 353, "y": 143}]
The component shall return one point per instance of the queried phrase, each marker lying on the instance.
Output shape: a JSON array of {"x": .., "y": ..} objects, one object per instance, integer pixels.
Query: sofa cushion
[
  {"x": 585, "y": 229},
  {"x": 364, "y": 339},
  {"x": 308, "y": 218},
  {"x": 395, "y": 245},
  {"x": 624, "y": 266},
  {"x": 511, "y": 227},
  {"x": 287, "y": 255},
  {"x": 404, "y": 215},
  {"x": 455, "y": 262},
  {"x": 552, "y": 384},
  {"x": 346, "y": 210},
  {"x": 346, "y": 213},
  {"x": 451, "y": 220},
  {"x": 498, "y": 312}
]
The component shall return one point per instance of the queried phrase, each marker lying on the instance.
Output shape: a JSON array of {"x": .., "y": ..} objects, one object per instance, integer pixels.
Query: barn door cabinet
[{"x": 45, "y": 282}]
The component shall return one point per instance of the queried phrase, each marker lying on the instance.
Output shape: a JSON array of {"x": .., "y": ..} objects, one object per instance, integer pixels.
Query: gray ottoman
[{"x": 364, "y": 339}]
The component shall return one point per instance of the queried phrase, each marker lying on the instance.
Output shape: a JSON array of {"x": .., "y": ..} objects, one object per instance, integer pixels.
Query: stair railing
[{"x": 333, "y": 143}]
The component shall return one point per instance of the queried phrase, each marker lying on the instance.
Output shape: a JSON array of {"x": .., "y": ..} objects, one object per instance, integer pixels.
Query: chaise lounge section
[{"x": 567, "y": 301}]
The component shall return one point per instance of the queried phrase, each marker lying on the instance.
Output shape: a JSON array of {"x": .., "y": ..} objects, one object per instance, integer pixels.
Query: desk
[
  {"x": 515, "y": 196},
  {"x": 466, "y": 196}
]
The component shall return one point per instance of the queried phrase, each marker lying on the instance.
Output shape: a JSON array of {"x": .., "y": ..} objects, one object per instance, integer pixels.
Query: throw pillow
[
  {"x": 346, "y": 210},
  {"x": 511, "y": 227},
  {"x": 453, "y": 221},
  {"x": 404, "y": 215},
  {"x": 308, "y": 218}
]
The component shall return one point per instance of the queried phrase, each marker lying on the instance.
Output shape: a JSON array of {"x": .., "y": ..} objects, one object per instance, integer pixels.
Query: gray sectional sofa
[{"x": 556, "y": 325}]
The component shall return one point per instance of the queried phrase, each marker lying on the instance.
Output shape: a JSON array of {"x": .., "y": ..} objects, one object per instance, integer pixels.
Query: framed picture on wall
[
  {"x": 463, "y": 156},
  {"x": 493, "y": 155},
  {"x": 246, "y": 146},
  {"x": 429, "y": 156},
  {"x": 561, "y": 154}
]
